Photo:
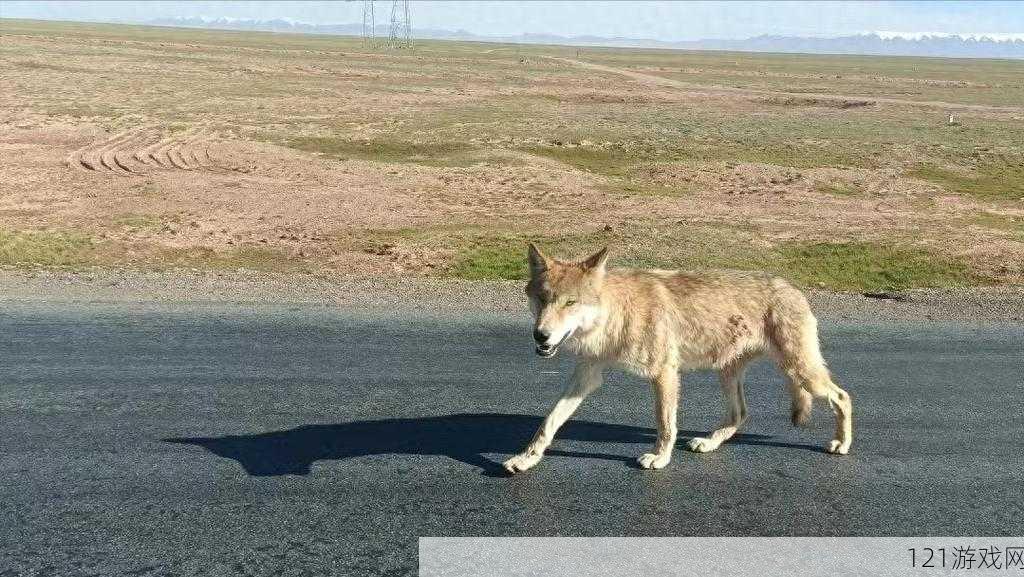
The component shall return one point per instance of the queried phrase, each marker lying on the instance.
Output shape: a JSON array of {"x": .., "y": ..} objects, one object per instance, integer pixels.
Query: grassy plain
[{"x": 130, "y": 146}]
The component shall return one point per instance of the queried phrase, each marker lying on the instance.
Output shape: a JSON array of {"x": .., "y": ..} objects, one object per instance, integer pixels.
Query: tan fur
[{"x": 658, "y": 323}]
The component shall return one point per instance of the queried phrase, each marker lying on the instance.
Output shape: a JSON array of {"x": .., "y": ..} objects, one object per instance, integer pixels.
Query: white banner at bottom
[{"x": 721, "y": 556}]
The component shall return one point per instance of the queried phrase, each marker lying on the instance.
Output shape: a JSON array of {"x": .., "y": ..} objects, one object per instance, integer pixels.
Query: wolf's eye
[{"x": 570, "y": 302}]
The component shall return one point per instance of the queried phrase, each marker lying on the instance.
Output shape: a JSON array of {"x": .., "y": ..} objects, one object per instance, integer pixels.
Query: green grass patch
[
  {"x": 490, "y": 257},
  {"x": 392, "y": 151},
  {"x": 852, "y": 266},
  {"x": 45, "y": 248},
  {"x": 614, "y": 161},
  {"x": 133, "y": 221},
  {"x": 838, "y": 188},
  {"x": 491, "y": 262},
  {"x": 1006, "y": 223},
  {"x": 472, "y": 252},
  {"x": 993, "y": 180},
  {"x": 793, "y": 154},
  {"x": 860, "y": 266},
  {"x": 263, "y": 259},
  {"x": 626, "y": 162}
]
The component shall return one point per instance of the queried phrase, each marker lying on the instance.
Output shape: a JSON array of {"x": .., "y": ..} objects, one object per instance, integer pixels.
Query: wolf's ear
[
  {"x": 598, "y": 261},
  {"x": 538, "y": 262}
]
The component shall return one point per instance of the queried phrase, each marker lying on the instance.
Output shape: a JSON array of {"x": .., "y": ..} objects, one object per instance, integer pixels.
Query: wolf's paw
[
  {"x": 521, "y": 462},
  {"x": 652, "y": 461},
  {"x": 837, "y": 447},
  {"x": 702, "y": 445}
]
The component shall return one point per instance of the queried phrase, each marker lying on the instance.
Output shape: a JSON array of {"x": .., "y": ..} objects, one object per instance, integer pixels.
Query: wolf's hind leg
[
  {"x": 822, "y": 387},
  {"x": 731, "y": 377},
  {"x": 585, "y": 380},
  {"x": 666, "y": 404},
  {"x": 799, "y": 356},
  {"x": 842, "y": 406}
]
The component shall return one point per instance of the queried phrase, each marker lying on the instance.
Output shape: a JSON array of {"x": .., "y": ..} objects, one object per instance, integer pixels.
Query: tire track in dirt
[
  {"x": 651, "y": 79},
  {"x": 140, "y": 150}
]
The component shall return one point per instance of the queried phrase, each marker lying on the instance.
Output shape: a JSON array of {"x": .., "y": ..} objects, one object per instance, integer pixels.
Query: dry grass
[{"x": 293, "y": 152}]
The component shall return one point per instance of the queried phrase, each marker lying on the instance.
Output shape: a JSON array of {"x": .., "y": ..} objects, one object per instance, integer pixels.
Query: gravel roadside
[{"x": 440, "y": 296}]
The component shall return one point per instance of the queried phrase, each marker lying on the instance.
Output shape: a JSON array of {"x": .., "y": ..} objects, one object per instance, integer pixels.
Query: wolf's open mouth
[{"x": 548, "y": 351}]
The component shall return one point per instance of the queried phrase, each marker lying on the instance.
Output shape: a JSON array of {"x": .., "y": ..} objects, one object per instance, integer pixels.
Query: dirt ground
[{"x": 161, "y": 148}]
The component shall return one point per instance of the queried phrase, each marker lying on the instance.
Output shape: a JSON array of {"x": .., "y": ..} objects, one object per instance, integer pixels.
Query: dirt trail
[{"x": 706, "y": 89}]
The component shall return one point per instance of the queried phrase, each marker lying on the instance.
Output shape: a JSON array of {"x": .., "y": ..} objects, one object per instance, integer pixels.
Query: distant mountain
[
  {"x": 295, "y": 27},
  {"x": 874, "y": 43},
  {"x": 949, "y": 46},
  {"x": 262, "y": 25}
]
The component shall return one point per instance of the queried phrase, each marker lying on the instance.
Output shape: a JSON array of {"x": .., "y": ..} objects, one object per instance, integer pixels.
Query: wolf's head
[{"x": 564, "y": 297}]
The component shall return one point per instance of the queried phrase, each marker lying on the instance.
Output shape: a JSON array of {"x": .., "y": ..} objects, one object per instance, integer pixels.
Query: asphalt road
[{"x": 224, "y": 440}]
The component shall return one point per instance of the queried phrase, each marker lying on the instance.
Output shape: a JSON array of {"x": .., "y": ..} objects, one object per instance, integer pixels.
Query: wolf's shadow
[{"x": 463, "y": 437}]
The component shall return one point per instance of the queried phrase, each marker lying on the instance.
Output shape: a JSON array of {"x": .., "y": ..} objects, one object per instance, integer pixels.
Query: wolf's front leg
[
  {"x": 585, "y": 379},
  {"x": 666, "y": 402}
]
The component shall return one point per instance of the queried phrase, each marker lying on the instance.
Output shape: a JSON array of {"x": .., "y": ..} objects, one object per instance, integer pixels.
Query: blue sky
[{"x": 635, "y": 19}]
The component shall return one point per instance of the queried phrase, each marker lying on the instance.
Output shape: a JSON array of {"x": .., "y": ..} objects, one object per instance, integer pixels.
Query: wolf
[{"x": 657, "y": 323}]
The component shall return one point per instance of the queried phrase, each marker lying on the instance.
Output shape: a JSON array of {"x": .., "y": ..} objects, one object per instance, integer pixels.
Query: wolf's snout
[{"x": 544, "y": 348}]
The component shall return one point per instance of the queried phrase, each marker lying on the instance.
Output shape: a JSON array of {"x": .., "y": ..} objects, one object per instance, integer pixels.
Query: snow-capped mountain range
[{"x": 971, "y": 45}]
